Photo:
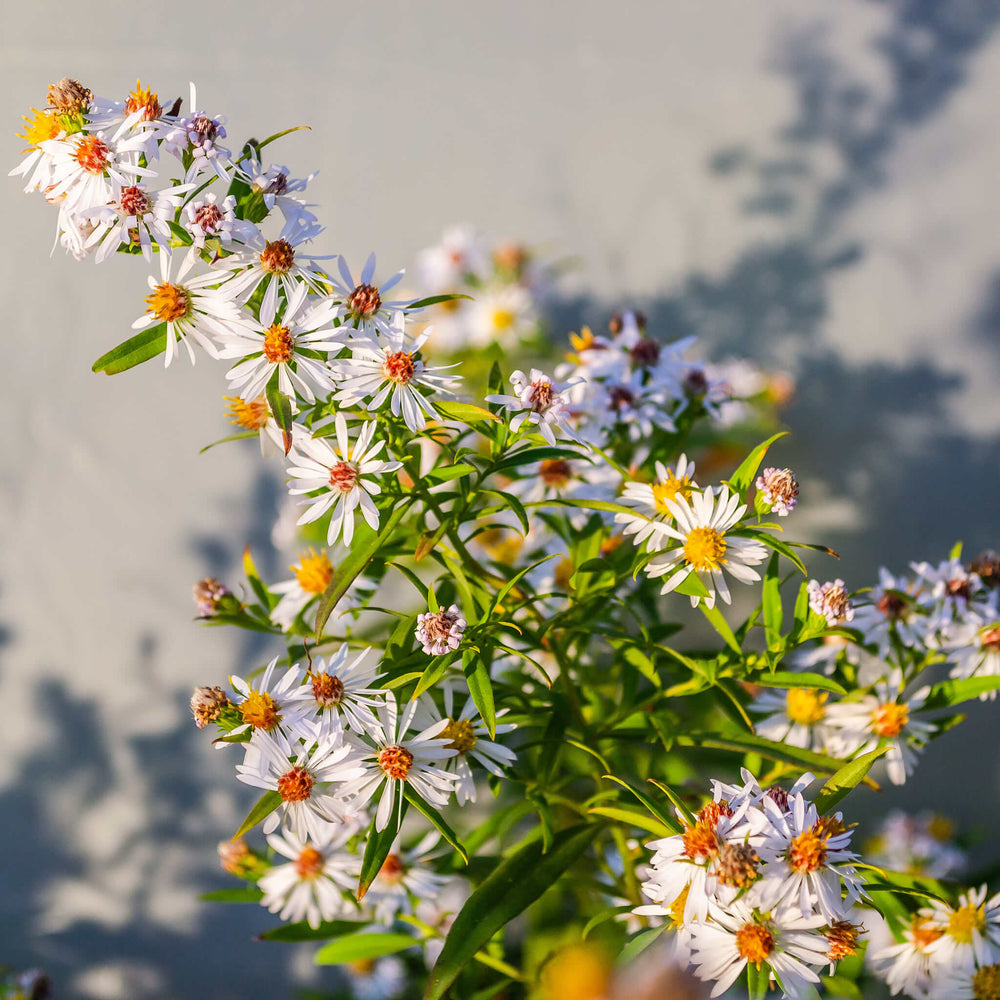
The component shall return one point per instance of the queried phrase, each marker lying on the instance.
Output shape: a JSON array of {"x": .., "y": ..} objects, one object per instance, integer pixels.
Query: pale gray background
[{"x": 812, "y": 184}]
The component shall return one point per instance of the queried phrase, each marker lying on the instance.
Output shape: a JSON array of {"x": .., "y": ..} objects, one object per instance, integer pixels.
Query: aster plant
[{"x": 479, "y": 684}]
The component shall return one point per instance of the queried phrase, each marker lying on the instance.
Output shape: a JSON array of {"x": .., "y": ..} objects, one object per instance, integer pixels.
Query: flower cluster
[{"x": 758, "y": 876}]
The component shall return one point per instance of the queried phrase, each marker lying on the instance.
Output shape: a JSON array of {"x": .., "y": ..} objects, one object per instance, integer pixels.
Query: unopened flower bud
[
  {"x": 439, "y": 632},
  {"x": 830, "y": 600},
  {"x": 779, "y": 489},
  {"x": 236, "y": 857},
  {"x": 207, "y": 594},
  {"x": 207, "y": 704},
  {"x": 987, "y": 567}
]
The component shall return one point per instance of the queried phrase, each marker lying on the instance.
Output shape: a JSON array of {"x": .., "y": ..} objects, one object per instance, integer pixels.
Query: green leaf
[
  {"x": 241, "y": 436},
  {"x": 665, "y": 818},
  {"x": 303, "y": 932},
  {"x": 266, "y": 805},
  {"x": 467, "y": 413},
  {"x": 792, "y": 679},
  {"x": 366, "y": 543},
  {"x": 509, "y": 890},
  {"x": 434, "y": 300},
  {"x": 638, "y": 943},
  {"x": 632, "y": 818},
  {"x": 281, "y": 409},
  {"x": 954, "y": 692},
  {"x": 512, "y": 502},
  {"x": 842, "y": 781},
  {"x": 445, "y": 472},
  {"x": 746, "y": 473},
  {"x": 719, "y": 623},
  {"x": 758, "y": 980},
  {"x": 841, "y": 986},
  {"x": 282, "y": 134},
  {"x": 677, "y": 801},
  {"x": 776, "y": 544},
  {"x": 481, "y": 689},
  {"x": 247, "y": 894},
  {"x": 429, "y": 812},
  {"x": 379, "y": 845},
  {"x": 747, "y": 743},
  {"x": 771, "y": 598},
  {"x": 134, "y": 351},
  {"x": 358, "y": 947},
  {"x": 528, "y": 455}
]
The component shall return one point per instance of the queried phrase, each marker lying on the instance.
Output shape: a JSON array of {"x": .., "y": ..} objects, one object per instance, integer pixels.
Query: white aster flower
[
  {"x": 538, "y": 400},
  {"x": 964, "y": 983},
  {"x": 254, "y": 414},
  {"x": 461, "y": 254},
  {"x": 208, "y": 218},
  {"x": 312, "y": 576},
  {"x": 908, "y": 966},
  {"x": 345, "y": 478},
  {"x": 135, "y": 215},
  {"x": 830, "y": 600},
  {"x": 650, "y": 501},
  {"x": 39, "y": 128},
  {"x": 794, "y": 716},
  {"x": 362, "y": 305},
  {"x": 499, "y": 316},
  {"x": 302, "y": 777},
  {"x": 784, "y": 941},
  {"x": 382, "y": 980},
  {"x": 391, "y": 370},
  {"x": 194, "y": 140},
  {"x": 976, "y": 653},
  {"x": 701, "y": 527},
  {"x": 779, "y": 489},
  {"x": 311, "y": 886},
  {"x": 895, "y": 610},
  {"x": 277, "y": 187},
  {"x": 920, "y": 845},
  {"x": 471, "y": 740},
  {"x": 971, "y": 930},
  {"x": 396, "y": 757},
  {"x": 191, "y": 308},
  {"x": 343, "y": 692},
  {"x": 404, "y": 880},
  {"x": 282, "y": 345},
  {"x": 277, "y": 700},
  {"x": 957, "y": 599}
]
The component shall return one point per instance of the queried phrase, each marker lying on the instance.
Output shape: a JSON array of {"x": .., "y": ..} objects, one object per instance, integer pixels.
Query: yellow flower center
[
  {"x": 503, "y": 319},
  {"x": 392, "y": 870},
  {"x": 327, "y": 689},
  {"x": 677, "y": 906},
  {"x": 668, "y": 489},
  {"x": 278, "y": 344},
  {"x": 807, "y": 852},
  {"x": 396, "y": 761},
  {"x": 941, "y": 828},
  {"x": 309, "y": 864},
  {"x": 805, "y": 706},
  {"x": 964, "y": 921},
  {"x": 579, "y": 972},
  {"x": 924, "y": 933},
  {"x": 843, "y": 938},
  {"x": 143, "y": 98},
  {"x": 705, "y": 548},
  {"x": 260, "y": 710},
  {"x": 754, "y": 942},
  {"x": 250, "y": 414},
  {"x": 277, "y": 257},
  {"x": 295, "y": 785},
  {"x": 890, "y": 718},
  {"x": 986, "y": 983},
  {"x": 700, "y": 841},
  {"x": 314, "y": 572},
  {"x": 461, "y": 735},
  {"x": 364, "y": 301},
  {"x": 92, "y": 154},
  {"x": 555, "y": 472},
  {"x": 398, "y": 367},
  {"x": 168, "y": 303},
  {"x": 45, "y": 125}
]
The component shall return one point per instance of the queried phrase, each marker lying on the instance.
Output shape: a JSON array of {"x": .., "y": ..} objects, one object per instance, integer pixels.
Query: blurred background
[{"x": 807, "y": 184}]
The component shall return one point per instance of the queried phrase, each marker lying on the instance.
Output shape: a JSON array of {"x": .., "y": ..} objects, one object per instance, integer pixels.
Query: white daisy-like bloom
[
  {"x": 831, "y": 601},
  {"x": 142, "y": 105},
  {"x": 650, "y": 501},
  {"x": 40, "y": 127},
  {"x": 277, "y": 700},
  {"x": 361, "y": 302},
  {"x": 895, "y": 609},
  {"x": 277, "y": 187},
  {"x": 471, "y": 739},
  {"x": 343, "y": 692},
  {"x": 921, "y": 845},
  {"x": 254, "y": 414},
  {"x": 392, "y": 371},
  {"x": 794, "y": 716},
  {"x": 345, "y": 477},
  {"x": 807, "y": 857},
  {"x": 539, "y": 400},
  {"x": 276, "y": 263},
  {"x": 395, "y": 756},
  {"x": 195, "y": 138},
  {"x": 501, "y": 315},
  {"x": 303, "y": 778},
  {"x": 860, "y": 726},
  {"x": 384, "y": 979},
  {"x": 191, "y": 308},
  {"x": 784, "y": 941},
  {"x": 630, "y": 405},
  {"x": 957, "y": 599},
  {"x": 909, "y": 966},
  {"x": 701, "y": 526},
  {"x": 973, "y": 983},
  {"x": 971, "y": 930},
  {"x": 567, "y": 479},
  {"x": 975, "y": 652},
  {"x": 135, "y": 214},
  {"x": 311, "y": 886},
  {"x": 207, "y": 218},
  {"x": 405, "y": 879},
  {"x": 440, "y": 632},
  {"x": 447, "y": 265},
  {"x": 86, "y": 168},
  {"x": 73, "y": 233},
  {"x": 280, "y": 344},
  {"x": 311, "y": 576}
]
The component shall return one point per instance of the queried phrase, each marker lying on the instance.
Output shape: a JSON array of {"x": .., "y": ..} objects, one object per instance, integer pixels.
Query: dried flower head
[{"x": 207, "y": 704}]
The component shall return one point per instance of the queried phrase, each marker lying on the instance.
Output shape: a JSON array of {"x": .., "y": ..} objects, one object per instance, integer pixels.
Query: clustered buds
[{"x": 440, "y": 632}]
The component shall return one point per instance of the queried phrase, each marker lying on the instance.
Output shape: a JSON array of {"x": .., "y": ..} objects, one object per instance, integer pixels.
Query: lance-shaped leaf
[
  {"x": 366, "y": 543},
  {"x": 379, "y": 845},
  {"x": 429, "y": 812},
  {"x": 303, "y": 932},
  {"x": 508, "y": 891},
  {"x": 741, "y": 479},
  {"x": 771, "y": 749},
  {"x": 358, "y": 947},
  {"x": 793, "y": 679},
  {"x": 248, "y": 894},
  {"x": 758, "y": 981},
  {"x": 771, "y": 597},
  {"x": 664, "y": 817},
  {"x": 134, "y": 351},
  {"x": 953, "y": 692},
  {"x": 842, "y": 781},
  {"x": 639, "y": 942},
  {"x": 266, "y": 805},
  {"x": 481, "y": 689},
  {"x": 281, "y": 409},
  {"x": 543, "y": 453},
  {"x": 468, "y": 413}
]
